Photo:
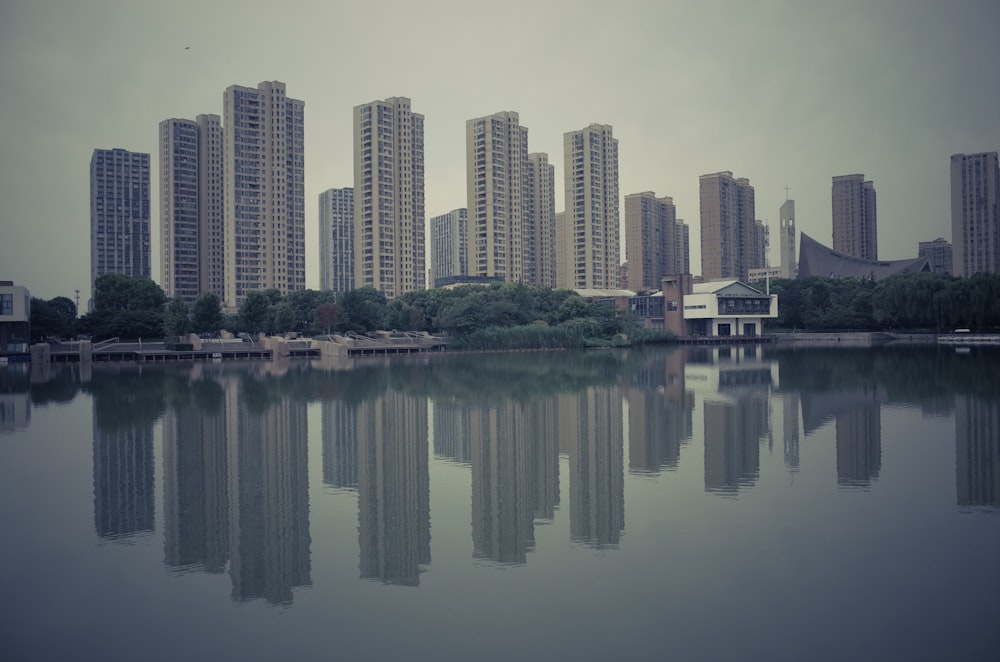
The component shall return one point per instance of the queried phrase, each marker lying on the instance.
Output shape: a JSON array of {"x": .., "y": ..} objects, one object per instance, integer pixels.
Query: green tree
[
  {"x": 206, "y": 314},
  {"x": 362, "y": 310},
  {"x": 52, "y": 318},
  {"x": 122, "y": 292},
  {"x": 176, "y": 320},
  {"x": 283, "y": 318},
  {"x": 255, "y": 312}
]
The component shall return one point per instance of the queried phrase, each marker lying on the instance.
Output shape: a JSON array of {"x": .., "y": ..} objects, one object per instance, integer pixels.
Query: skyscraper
[
  {"x": 336, "y": 239},
  {"x": 789, "y": 261},
  {"x": 587, "y": 242},
  {"x": 539, "y": 232},
  {"x": 389, "y": 235},
  {"x": 855, "y": 227},
  {"x": 264, "y": 186},
  {"x": 975, "y": 219},
  {"x": 496, "y": 165},
  {"x": 938, "y": 253},
  {"x": 653, "y": 240},
  {"x": 730, "y": 245},
  {"x": 191, "y": 207},
  {"x": 449, "y": 246},
  {"x": 119, "y": 213}
]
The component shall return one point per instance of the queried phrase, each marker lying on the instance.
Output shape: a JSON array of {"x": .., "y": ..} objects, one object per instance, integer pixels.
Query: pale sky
[{"x": 783, "y": 93}]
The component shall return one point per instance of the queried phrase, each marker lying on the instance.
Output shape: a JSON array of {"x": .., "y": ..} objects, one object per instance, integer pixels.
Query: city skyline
[{"x": 898, "y": 124}]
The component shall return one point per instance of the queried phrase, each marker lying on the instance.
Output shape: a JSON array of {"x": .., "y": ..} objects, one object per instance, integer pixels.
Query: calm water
[{"x": 658, "y": 504}]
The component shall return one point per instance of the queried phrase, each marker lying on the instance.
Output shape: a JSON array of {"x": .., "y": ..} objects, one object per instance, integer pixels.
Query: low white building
[
  {"x": 720, "y": 308},
  {"x": 15, "y": 314}
]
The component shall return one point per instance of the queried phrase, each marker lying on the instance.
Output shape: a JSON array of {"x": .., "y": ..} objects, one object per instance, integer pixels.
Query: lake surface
[{"x": 745, "y": 503}]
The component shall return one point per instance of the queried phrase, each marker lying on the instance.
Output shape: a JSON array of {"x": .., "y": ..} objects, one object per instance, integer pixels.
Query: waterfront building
[
  {"x": 587, "y": 241},
  {"x": 975, "y": 213},
  {"x": 119, "y": 213},
  {"x": 730, "y": 245},
  {"x": 389, "y": 233},
  {"x": 449, "y": 247},
  {"x": 815, "y": 259},
  {"x": 855, "y": 222},
  {"x": 336, "y": 239},
  {"x": 264, "y": 188},
  {"x": 15, "y": 318},
  {"x": 938, "y": 254},
  {"x": 655, "y": 242},
  {"x": 497, "y": 186},
  {"x": 539, "y": 231},
  {"x": 192, "y": 227}
]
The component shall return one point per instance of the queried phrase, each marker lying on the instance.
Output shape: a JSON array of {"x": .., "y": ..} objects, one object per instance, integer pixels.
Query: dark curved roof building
[{"x": 815, "y": 259}]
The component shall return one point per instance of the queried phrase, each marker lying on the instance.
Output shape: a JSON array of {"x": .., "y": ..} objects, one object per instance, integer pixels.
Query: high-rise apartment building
[
  {"x": 539, "y": 233},
  {"x": 496, "y": 175},
  {"x": 264, "y": 187},
  {"x": 938, "y": 254},
  {"x": 389, "y": 234},
  {"x": 975, "y": 213},
  {"x": 336, "y": 239},
  {"x": 730, "y": 245},
  {"x": 655, "y": 242},
  {"x": 855, "y": 227},
  {"x": 119, "y": 213},
  {"x": 449, "y": 246},
  {"x": 789, "y": 260},
  {"x": 192, "y": 215},
  {"x": 587, "y": 242}
]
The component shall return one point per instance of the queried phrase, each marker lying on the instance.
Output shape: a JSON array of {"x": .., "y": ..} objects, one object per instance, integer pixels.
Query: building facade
[
  {"x": 497, "y": 185},
  {"x": 655, "y": 243},
  {"x": 789, "y": 259},
  {"x": 389, "y": 234},
  {"x": 975, "y": 213},
  {"x": 938, "y": 254},
  {"x": 15, "y": 318},
  {"x": 730, "y": 245},
  {"x": 192, "y": 245},
  {"x": 449, "y": 246},
  {"x": 119, "y": 213},
  {"x": 587, "y": 242},
  {"x": 539, "y": 233},
  {"x": 264, "y": 188},
  {"x": 855, "y": 222},
  {"x": 336, "y": 239}
]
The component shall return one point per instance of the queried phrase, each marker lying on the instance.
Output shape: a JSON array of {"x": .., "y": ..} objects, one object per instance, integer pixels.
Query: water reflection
[{"x": 235, "y": 492}]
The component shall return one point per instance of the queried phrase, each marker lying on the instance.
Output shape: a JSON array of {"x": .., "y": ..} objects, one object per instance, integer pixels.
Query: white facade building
[
  {"x": 264, "y": 188},
  {"x": 389, "y": 233},
  {"x": 449, "y": 246}
]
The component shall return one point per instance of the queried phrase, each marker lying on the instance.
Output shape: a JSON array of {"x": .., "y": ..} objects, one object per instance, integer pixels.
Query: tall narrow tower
[
  {"x": 336, "y": 239},
  {"x": 389, "y": 235},
  {"x": 975, "y": 219},
  {"x": 789, "y": 261},
  {"x": 587, "y": 241},
  {"x": 264, "y": 185},
  {"x": 496, "y": 167},
  {"x": 192, "y": 242},
  {"x": 540, "y": 222},
  {"x": 855, "y": 227},
  {"x": 119, "y": 213}
]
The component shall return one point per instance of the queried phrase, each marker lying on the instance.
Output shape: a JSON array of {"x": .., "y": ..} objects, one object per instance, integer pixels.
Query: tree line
[
  {"x": 909, "y": 302},
  {"x": 497, "y": 315}
]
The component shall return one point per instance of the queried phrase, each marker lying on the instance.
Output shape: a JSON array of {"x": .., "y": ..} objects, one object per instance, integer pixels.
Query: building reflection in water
[
  {"x": 591, "y": 427},
  {"x": 858, "y": 428},
  {"x": 196, "y": 479},
  {"x": 340, "y": 444},
  {"x": 123, "y": 481},
  {"x": 393, "y": 488},
  {"x": 236, "y": 486},
  {"x": 977, "y": 452},
  {"x": 790, "y": 429},
  {"x": 660, "y": 412},
  {"x": 736, "y": 387}
]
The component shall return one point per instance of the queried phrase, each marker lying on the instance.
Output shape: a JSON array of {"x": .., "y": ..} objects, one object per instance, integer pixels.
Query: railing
[{"x": 107, "y": 342}]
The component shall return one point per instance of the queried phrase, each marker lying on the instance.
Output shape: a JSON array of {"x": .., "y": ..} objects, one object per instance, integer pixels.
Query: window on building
[{"x": 7, "y": 304}]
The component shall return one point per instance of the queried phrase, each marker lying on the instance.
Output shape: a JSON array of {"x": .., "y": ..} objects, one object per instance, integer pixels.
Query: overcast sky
[{"x": 784, "y": 93}]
